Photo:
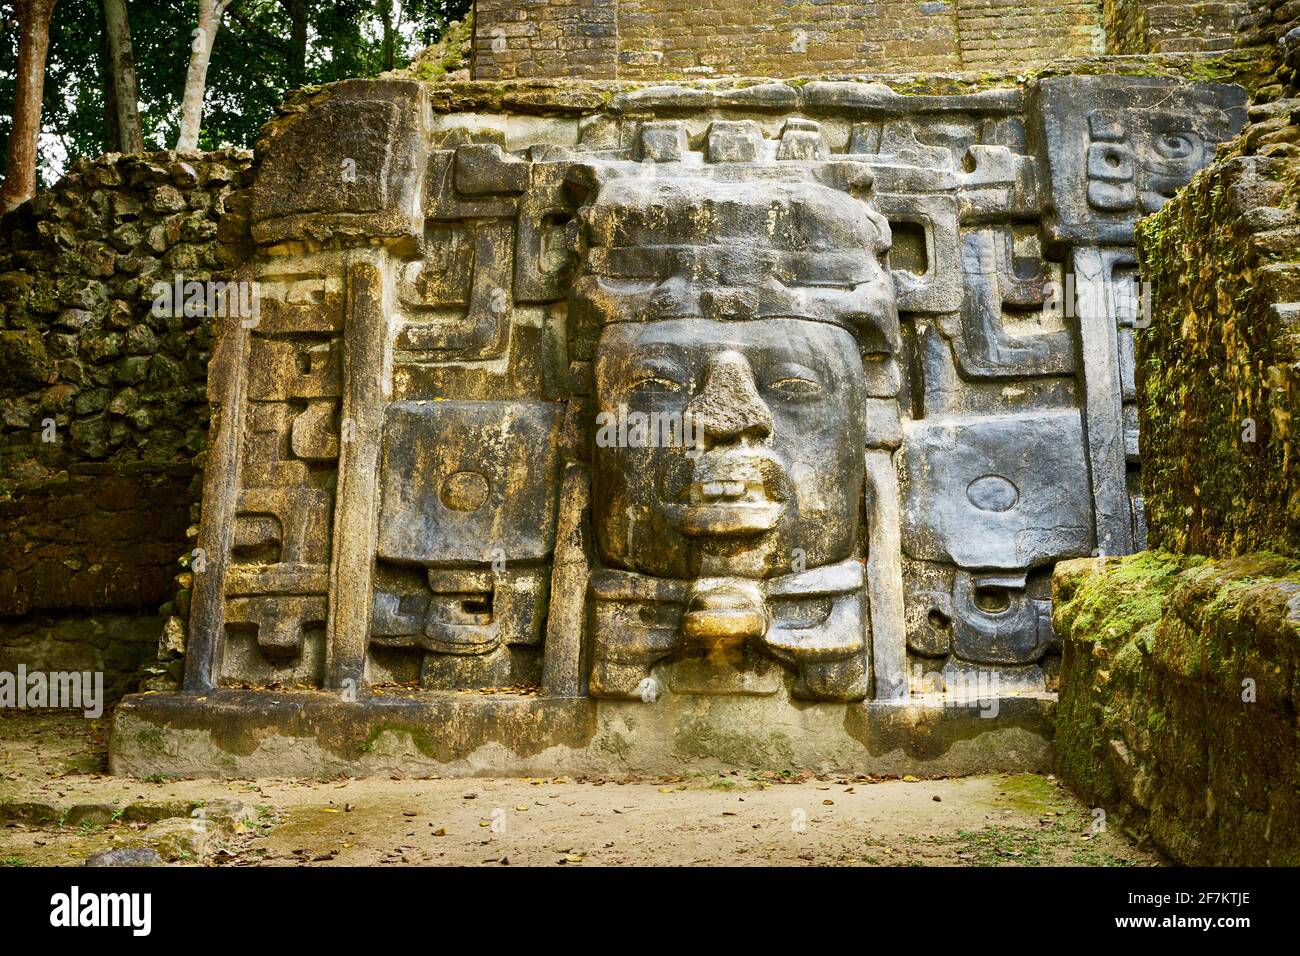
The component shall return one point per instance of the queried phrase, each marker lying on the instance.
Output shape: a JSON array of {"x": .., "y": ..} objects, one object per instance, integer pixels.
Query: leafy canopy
[{"x": 255, "y": 61}]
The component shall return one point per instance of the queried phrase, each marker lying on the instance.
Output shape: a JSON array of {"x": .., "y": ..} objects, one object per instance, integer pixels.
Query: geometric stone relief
[
  {"x": 979, "y": 617},
  {"x": 280, "y": 621},
  {"x": 996, "y": 492},
  {"x": 1120, "y": 147},
  {"x": 467, "y": 273},
  {"x": 358, "y": 163},
  {"x": 984, "y": 344},
  {"x": 749, "y": 391},
  {"x": 461, "y": 481}
]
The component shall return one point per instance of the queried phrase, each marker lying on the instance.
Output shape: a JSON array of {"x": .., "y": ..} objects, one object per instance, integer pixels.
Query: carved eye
[
  {"x": 794, "y": 381},
  {"x": 657, "y": 383},
  {"x": 635, "y": 285},
  {"x": 656, "y": 377},
  {"x": 1175, "y": 145}
]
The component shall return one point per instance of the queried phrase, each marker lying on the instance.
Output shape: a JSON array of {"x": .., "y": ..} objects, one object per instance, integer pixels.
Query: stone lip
[
  {"x": 243, "y": 734},
  {"x": 1250, "y": 67}
]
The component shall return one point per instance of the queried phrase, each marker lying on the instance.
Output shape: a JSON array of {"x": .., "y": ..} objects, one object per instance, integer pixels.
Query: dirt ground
[{"x": 58, "y": 807}]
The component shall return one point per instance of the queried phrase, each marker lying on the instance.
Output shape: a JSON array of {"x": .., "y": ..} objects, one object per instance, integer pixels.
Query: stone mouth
[
  {"x": 730, "y": 518},
  {"x": 737, "y": 492},
  {"x": 738, "y": 474},
  {"x": 720, "y": 491}
]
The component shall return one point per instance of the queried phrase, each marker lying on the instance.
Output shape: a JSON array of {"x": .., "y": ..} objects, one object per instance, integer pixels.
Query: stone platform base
[{"x": 247, "y": 734}]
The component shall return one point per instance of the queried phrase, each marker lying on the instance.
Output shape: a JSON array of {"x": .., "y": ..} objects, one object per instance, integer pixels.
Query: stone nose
[{"x": 728, "y": 406}]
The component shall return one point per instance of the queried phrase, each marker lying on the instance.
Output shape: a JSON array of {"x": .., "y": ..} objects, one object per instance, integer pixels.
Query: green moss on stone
[
  {"x": 1217, "y": 374},
  {"x": 1178, "y": 700}
]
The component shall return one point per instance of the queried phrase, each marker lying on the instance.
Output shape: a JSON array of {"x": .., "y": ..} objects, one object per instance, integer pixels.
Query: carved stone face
[
  {"x": 772, "y": 475},
  {"x": 1140, "y": 166},
  {"x": 729, "y": 390},
  {"x": 1119, "y": 147}
]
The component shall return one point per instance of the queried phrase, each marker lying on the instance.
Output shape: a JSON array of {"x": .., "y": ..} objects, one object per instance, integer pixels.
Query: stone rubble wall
[
  {"x": 1266, "y": 21},
  {"x": 1178, "y": 701},
  {"x": 1273, "y": 24},
  {"x": 1218, "y": 368},
  {"x": 92, "y": 522}
]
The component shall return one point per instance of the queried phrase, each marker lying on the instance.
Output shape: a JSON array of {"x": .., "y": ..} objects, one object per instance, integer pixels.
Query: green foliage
[{"x": 255, "y": 61}]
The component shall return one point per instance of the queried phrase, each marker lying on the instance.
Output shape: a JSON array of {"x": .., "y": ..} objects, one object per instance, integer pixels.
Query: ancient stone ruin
[{"x": 728, "y": 420}]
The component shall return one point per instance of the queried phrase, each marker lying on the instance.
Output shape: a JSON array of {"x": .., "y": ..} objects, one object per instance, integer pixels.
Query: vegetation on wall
[
  {"x": 1217, "y": 367},
  {"x": 1178, "y": 701}
]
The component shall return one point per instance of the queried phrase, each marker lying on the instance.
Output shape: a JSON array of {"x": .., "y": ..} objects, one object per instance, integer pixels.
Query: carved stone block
[
  {"x": 996, "y": 492},
  {"x": 461, "y": 610},
  {"x": 280, "y": 621},
  {"x": 464, "y": 284},
  {"x": 281, "y": 369},
  {"x": 1119, "y": 146},
  {"x": 350, "y": 165},
  {"x": 468, "y": 482}
]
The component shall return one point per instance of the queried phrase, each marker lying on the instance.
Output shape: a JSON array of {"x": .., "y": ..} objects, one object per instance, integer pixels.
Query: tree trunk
[
  {"x": 387, "y": 51},
  {"x": 33, "y": 45},
  {"x": 122, "y": 69},
  {"x": 297, "y": 10},
  {"x": 196, "y": 79},
  {"x": 112, "y": 135}
]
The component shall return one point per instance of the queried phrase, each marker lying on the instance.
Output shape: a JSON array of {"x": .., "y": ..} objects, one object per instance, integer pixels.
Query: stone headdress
[{"x": 744, "y": 228}]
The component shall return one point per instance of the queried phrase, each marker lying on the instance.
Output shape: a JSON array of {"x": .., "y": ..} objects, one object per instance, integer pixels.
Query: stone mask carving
[
  {"x": 735, "y": 318},
  {"x": 628, "y": 398}
]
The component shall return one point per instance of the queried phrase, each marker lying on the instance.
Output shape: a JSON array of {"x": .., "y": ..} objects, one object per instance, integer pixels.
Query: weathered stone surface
[
  {"x": 747, "y": 393},
  {"x": 95, "y": 539},
  {"x": 125, "y": 856},
  {"x": 1178, "y": 674},
  {"x": 366, "y": 135},
  {"x": 114, "y": 644},
  {"x": 256, "y": 734},
  {"x": 467, "y": 482},
  {"x": 997, "y": 492},
  {"x": 1120, "y": 149}
]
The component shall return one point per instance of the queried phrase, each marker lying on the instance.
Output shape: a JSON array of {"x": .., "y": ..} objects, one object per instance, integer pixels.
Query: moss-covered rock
[
  {"x": 1179, "y": 697},
  {"x": 1218, "y": 370}
]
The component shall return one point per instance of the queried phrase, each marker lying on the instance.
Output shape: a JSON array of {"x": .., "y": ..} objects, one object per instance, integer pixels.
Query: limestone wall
[
  {"x": 660, "y": 39},
  {"x": 664, "y": 39},
  {"x": 102, "y": 403}
]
